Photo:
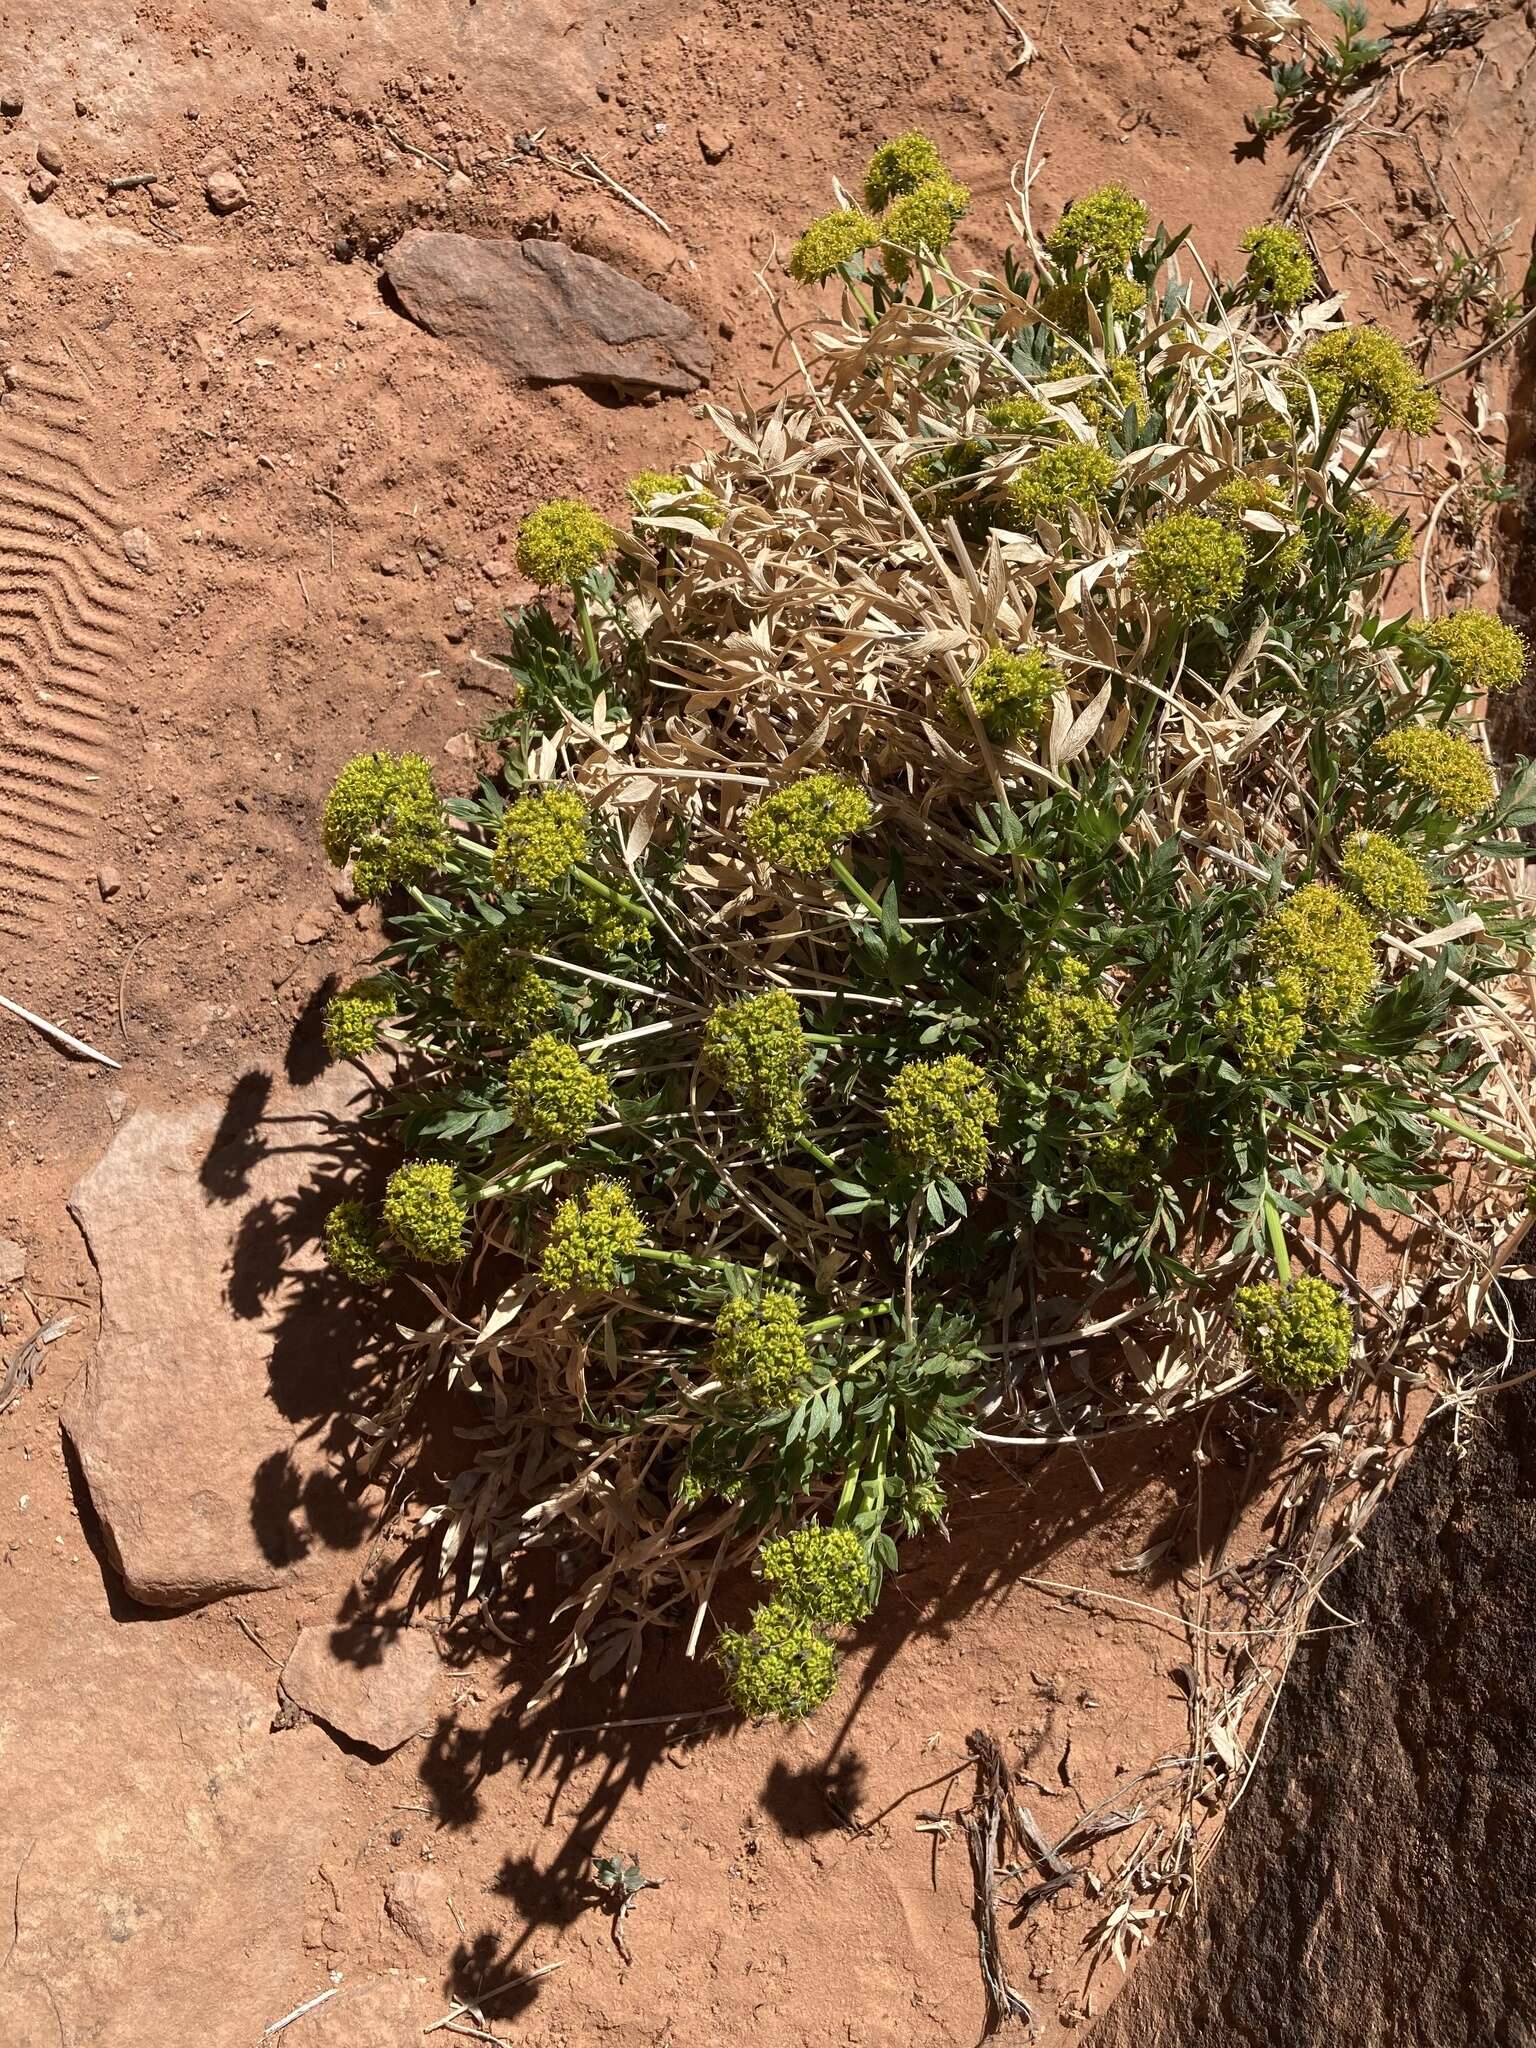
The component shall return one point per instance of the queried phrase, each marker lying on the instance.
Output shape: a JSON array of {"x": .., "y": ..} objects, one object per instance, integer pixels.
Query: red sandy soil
[{"x": 280, "y": 434}]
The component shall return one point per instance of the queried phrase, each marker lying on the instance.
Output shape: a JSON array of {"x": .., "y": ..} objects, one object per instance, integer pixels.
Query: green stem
[
  {"x": 591, "y": 883},
  {"x": 1276, "y": 1230},
  {"x": 822, "y": 1158},
  {"x": 1493, "y": 1146},
  {"x": 856, "y": 888}
]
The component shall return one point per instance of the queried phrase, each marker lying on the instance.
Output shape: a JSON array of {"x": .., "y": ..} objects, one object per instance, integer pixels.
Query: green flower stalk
[
  {"x": 1485, "y": 657},
  {"x": 493, "y": 987},
  {"x": 782, "y": 1666},
  {"x": 1018, "y": 414},
  {"x": 1279, "y": 272},
  {"x": 1367, "y": 372},
  {"x": 1012, "y": 693},
  {"x": 1296, "y": 1335},
  {"x": 552, "y": 1094},
  {"x": 1190, "y": 566},
  {"x": 544, "y": 834},
  {"x": 801, "y": 828},
  {"x": 562, "y": 541},
  {"x": 821, "y": 1574},
  {"x": 1441, "y": 768},
  {"x": 1076, "y": 477},
  {"x": 425, "y": 1212},
  {"x": 900, "y": 166},
  {"x": 1266, "y": 1024},
  {"x": 760, "y": 1352},
  {"x": 383, "y": 813},
  {"x": 1385, "y": 876},
  {"x": 1101, "y": 231},
  {"x": 939, "y": 1114},
  {"x": 353, "y": 1017},
  {"x": 353, "y": 1246},
  {"x": 757, "y": 1049},
  {"x": 1059, "y": 1023},
  {"x": 830, "y": 243},
  {"x": 922, "y": 224},
  {"x": 1319, "y": 944},
  {"x": 592, "y": 1233}
]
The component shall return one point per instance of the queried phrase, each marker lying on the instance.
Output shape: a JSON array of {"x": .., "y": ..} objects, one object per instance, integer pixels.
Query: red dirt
[{"x": 249, "y": 401}]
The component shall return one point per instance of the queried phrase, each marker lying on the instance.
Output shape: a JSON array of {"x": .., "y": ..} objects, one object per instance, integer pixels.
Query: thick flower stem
[
  {"x": 844, "y": 874},
  {"x": 1493, "y": 1146},
  {"x": 1274, "y": 1226}
]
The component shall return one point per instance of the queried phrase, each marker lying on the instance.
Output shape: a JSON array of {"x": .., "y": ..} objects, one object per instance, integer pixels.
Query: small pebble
[
  {"x": 108, "y": 882},
  {"x": 42, "y": 185},
  {"x": 165, "y": 200},
  {"x": 224, "y": 191},
  {"x": 11, "y": 104},
  {"x": 714, "y": 142},
  {"x": 50, "y": 158}
]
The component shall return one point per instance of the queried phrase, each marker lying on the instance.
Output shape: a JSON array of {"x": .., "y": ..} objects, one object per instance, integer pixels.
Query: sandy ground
[{"x": 270, "y": 522}]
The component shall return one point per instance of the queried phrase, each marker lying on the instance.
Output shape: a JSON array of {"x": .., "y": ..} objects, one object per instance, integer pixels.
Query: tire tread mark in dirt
[{"x": 66, "y": 616}]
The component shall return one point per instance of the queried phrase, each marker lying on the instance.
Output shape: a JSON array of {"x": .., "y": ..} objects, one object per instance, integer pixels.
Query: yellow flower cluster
[
  {"x": 920, "y": 205},
  {"x": 562, "y": 541},
  {"x": 543, "y": 835},
  {"x": 613, "y": 927},
  {"x": 552, "y": 1094},
  {"x": 1016, "y": 414},
  {"x": 1279, "y": 271},
  {"x": 352, "y": 1019},
  {"x": 1123, "y": 378},
  {"x": 1077, "y": 476},
  {"x": 1373, "y": 529},
  {"x": 1101, "y": 231},
  {"x": 1266, "y": 1024},
  {"x": 1059, "y": 1023},
  {"x": 801, "y": 828},
  {"x": 494, "y": 988},
  {"x": 655, "y": 490},
  {"x": 1319, "y": 943},
  {"x": 783, "y": 1665},
  {"x": 1368, "y": 372},
  {"x": 922, "y": 224},
  {"x": 1385, "y": 876},
  {"x": 1485, "y": 656},
  {"x": 1274, "y": 557},
  {"x": 1190, "y": 566},
  {"x": 820, "y": 1573},
  {"x": 1012, "y": 694},
  {"x": 425, "y": 1211},
  {"x": 899, "y": 166},
  {"x": 759, "y": 1350},
  {"x": 1298, "y": 1336},
  {"x": 939, "y": 1114},
  {"x": 591, "y": 1234},
  {"x": 351, "y": 1237},
  {"x": 827, "y": 244},
  {"x": 1440, "y": 768},
  {"x": 383, "y": 814},
  {"x": 757, "y": 1048}
]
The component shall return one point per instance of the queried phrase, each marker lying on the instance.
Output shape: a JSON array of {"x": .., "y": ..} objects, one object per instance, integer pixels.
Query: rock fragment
[
  {"x": 224, "y": 192},
  {"x": 372, "y": 1685}
]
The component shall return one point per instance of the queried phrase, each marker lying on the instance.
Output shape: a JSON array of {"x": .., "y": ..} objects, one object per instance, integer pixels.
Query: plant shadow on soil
[{"x": 1011, "y": 1514}]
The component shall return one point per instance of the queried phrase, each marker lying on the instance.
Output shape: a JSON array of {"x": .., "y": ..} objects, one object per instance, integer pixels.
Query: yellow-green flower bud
[
  {"x": 939, "y": 1114},
  {"x": 1059, "y": 1023},
  {"x": 1298, "y": 1336},
  {"x": 552, "y": 1094},
  {"x": 425, "y": 1211},
  {"x": 757, "y": 1048},
  {"x": 821, "y": 1574},
  {"x": 1190, "y": 566},
  {"x": 1485, "y": 656},
  {"x": 1369, "y": 373},
  {"x": 383, "y": 814},
  {"x": 1016, "y": 414},
  {"x": 899, "y": 166},
  {"x": 543, "y": 835},
  {"x": 801, "y": 828},
  {"x": 1279, "y": 272},
  {"x": 1319, "y": 943},
  {"x": 922, "y": 224},
  {"x": 830, "y": 242},
  {"x": 1385, "y": 875},
  {"x": 593, "y": 1232},
  {"x": 760, "y": 1351},
  {"x": 494, "y": 988},
  {"x": 1441, "y": 768},
  {"x": 1267, "y": 1024},
  {"x": 353, "y": 1017},
  {"x": 782, "y": 1665},
  {"x": 352, "y": 1244},
  {"x": 560, "y": 542},
  {"x": 1077, "y": 476},
  {"x": 1012, "y": 694},
  {"x": 1101, "y": 231}
]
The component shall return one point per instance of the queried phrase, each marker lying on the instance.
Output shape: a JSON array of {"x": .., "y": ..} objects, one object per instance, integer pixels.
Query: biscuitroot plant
[{"x": 970, "y": 879}]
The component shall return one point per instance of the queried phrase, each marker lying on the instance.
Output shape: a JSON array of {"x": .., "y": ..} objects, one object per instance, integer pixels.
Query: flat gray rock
[
  {"x": 546, "y": 315},
  {"x": 196, "y": 1475},
  {"x": 375, "y": 1686}
]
